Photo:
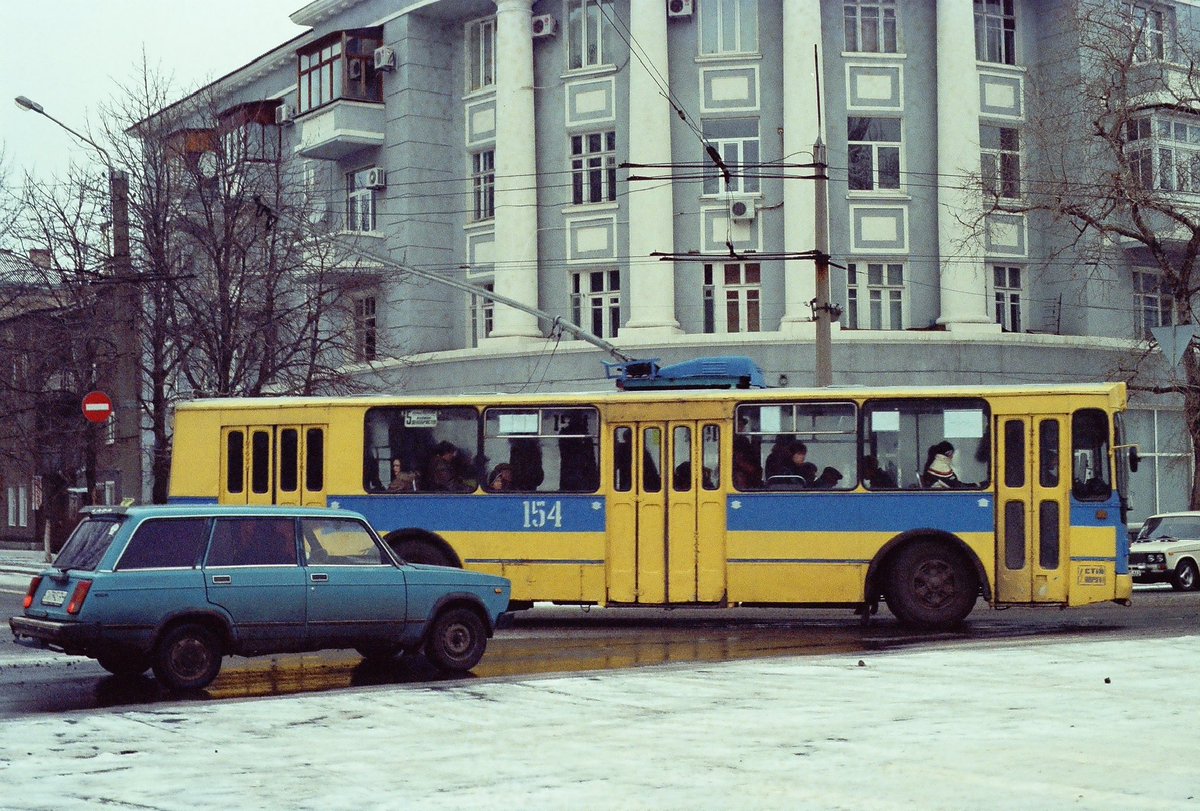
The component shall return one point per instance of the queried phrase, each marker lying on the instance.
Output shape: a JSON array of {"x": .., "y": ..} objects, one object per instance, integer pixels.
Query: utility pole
[{"x": 822, "y": 310}]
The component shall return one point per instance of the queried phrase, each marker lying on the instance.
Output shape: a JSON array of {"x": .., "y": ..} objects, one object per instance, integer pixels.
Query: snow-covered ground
[{"x": 1027, "y": 725}]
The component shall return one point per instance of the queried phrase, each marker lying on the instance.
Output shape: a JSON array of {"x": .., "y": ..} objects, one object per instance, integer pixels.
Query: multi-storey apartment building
[{"x": 492, "y": 141}]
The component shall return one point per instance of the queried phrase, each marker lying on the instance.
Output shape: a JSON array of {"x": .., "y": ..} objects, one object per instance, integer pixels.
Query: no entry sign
[{"x": 97, "y": 407}]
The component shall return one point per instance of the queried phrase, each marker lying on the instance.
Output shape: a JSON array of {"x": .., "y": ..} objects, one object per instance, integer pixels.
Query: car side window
[
  {"x": 340, "y": 542},
  {"x": 253, "y": 542},
  {"x": 165, "y": 543}
]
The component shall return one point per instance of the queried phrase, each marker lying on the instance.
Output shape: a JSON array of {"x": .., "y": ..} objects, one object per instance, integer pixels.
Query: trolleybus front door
[{"x": 1032, "y": 510}]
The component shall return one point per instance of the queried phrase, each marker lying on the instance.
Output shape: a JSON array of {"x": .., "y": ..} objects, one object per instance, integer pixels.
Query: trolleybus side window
[
  {"x": 435, "y": 448},
  {"x": 1090, "y": 479},
  {"x": 907, "y": 437},
  {"x": 798, "y": 445},
  {"x": 547, "y": 449}
]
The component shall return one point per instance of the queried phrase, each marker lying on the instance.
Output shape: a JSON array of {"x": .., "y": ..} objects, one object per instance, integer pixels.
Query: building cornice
[{"x": 319, "y": 11}]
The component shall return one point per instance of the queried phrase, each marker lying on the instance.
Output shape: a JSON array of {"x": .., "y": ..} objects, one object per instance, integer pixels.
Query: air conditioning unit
[
  {"x": 385, "y": 58},
  {"x": 679, "y": 8},
  {"x": 377, "y": 178},
  {"x": 284, "y": 114},
  {"x": 544, "y": 25},
  {"x": 741, "y": 209}
]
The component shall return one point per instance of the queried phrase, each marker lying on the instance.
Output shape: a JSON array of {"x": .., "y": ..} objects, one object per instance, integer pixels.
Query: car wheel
[
  {"x": 1186, "y": 577},
  {"x": 930, "y": 585},
  {"x": 378, "y": 653},
  {"x": 456, "y": 639},
  {"x": 124, "y": 664},
  {"x": 188, "y": 657}
]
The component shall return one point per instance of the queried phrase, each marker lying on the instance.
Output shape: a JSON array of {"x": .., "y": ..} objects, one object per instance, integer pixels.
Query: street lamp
[{"x": 127, "y": 368}]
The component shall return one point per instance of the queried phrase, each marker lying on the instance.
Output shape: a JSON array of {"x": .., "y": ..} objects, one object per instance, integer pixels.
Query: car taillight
[
  {"x": 81, "y": 592},
  {"x": 33, "y": 587}
]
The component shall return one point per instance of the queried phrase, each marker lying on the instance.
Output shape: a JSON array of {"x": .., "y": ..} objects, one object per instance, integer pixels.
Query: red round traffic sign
[{"x": 97, "y": 407}]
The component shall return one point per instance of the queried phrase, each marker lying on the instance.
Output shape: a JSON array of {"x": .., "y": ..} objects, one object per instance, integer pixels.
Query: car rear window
[
  {"x": 88, "y": 543},
  {"x": 166, "y": 543}
]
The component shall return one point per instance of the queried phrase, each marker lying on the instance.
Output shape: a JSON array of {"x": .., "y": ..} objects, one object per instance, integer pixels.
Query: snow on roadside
[{"x": 1030, "y": 725}]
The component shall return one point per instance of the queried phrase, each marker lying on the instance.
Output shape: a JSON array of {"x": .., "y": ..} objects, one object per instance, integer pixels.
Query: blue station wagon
[{"x": 178, "y": 588}]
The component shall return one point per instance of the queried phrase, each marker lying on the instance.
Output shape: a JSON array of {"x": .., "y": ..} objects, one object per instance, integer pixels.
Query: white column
[
  {"x": 801, "y": 34},
  {"x": 516, "y": 170},
  {"x": 960, "y": 248},
  {"x": 650, "y": 203}
]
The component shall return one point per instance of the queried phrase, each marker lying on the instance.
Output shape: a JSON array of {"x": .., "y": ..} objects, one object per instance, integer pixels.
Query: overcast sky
[{"x": 68, "y": 55}]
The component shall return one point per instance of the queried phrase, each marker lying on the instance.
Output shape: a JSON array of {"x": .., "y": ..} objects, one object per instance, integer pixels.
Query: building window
[
  {"x": 871, "y": 26},
  {"x": 360, "y": 202},
  {"x": 596, "y": 301},
  {"x": 481, "y": 54},
  {"x": 110, "y": 430},
  {"x": 874, "y": 295},
  {"x": 589, "y": 33},
  {"x": 1163, "y": 152},
  {"x": 1147, "y": 29},
  {"x": 995, "y": 31},
  {"x": 483, "y": 184},
  {"x": 366, "y": 335},
  {"x": 341, "y": 65},
  {"x": 1155, "y": 306},
  {"x": 736, "y": 141},
  {"x": 1000, "y": 161},
  {"x": 249, "y": 133},
  {"x": 732, "y": 297},
  {"x": 1008, "y": 291},
  {"x": 18, "y": 506},
  {"x": 728, "y": 26},
  {"x": 594, "y": 167},
  {"x": 873, "y": 152},
  {"x": 482, "y": 314}
]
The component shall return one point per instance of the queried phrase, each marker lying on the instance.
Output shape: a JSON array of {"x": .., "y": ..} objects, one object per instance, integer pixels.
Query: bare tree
[
  {"x": 1102, "y": 192},
  {"x": 50, "y": 341},
  {"x": 241, "y": 292}
]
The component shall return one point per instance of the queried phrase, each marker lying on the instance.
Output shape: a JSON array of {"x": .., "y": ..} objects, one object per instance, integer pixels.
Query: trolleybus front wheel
[{"x": 930, "y": 585}]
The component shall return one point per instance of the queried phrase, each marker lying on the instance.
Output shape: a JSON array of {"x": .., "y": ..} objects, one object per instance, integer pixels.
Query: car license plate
[{"x": 54, "y": 597}]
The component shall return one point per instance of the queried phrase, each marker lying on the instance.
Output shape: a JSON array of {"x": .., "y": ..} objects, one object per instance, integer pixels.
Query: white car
[{"x": 1167, "y": 549}]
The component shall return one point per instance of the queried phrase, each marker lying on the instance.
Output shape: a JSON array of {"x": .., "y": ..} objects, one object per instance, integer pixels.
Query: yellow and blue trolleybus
[{"x": 694, "y": 485}]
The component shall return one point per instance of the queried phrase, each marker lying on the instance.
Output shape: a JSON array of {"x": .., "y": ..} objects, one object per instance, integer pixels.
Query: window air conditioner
[
  {"x": 679, "y": 8},
  {"x": 741, "y": 209},
  {"x": 385, "y": 58},
  {"x": 544, "y": 25},
  {"x": 377, "y": 178},
  {"x": 283, "y": 114}
]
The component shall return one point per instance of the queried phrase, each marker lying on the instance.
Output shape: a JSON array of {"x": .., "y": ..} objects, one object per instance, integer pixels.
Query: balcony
[{"x": 340, "y": 128}]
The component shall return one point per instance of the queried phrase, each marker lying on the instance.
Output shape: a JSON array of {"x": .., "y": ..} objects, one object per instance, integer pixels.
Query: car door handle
[
  {"x": 221, "y": 579},
  {"x": 318, "y": 577}
]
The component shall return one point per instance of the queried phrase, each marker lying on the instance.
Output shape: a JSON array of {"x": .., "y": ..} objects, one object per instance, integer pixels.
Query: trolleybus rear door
[
  {"x": 272, "y": 464},
  {"x": 1032, "y": 510},
  {"x": 300, "y": 465},
  {"x": 246, "y": 474}
]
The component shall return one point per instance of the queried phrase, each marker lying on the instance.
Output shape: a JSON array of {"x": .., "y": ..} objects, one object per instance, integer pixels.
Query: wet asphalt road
[{"x": 552, "y": 639}]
